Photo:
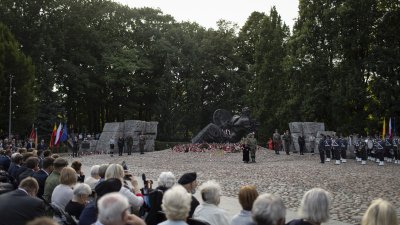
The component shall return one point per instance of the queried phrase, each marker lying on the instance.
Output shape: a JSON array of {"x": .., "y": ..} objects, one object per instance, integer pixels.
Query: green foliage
[{"x": 98, "y": 61}]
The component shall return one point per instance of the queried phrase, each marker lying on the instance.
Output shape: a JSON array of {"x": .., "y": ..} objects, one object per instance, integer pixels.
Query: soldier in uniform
[
  {"x": 395, "y": 144},
  {"x": 380, "y": 152},
  {"x": 363, "y": 151},
  {"x": 276, "y": 140},
  {"x": 388, "y": 149},
  {"x": 312, "y": 143},
  {"x": 336, "y": 149},
  {"x": 343, "y": 148},
  {"x": 252, "y": 142},
  {"x": 357, "y": 150},
  {"x": 321, "y": 148},
  {"x": 287, "y": 140},
  {"x": 121, "y": 143},
  {"x": 129, "y": 144},
  {"x": 328, "y": 147}
]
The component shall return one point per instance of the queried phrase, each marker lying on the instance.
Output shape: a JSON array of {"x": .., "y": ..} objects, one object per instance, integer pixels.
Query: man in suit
[
  {"x": 32, "y": 165},
  {"x": 42, "y": 174},
  {"x": 20, "y": 206}
]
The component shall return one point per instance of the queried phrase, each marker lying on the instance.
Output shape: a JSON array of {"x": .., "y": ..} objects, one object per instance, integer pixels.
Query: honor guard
[
  {"x": 356, "y": 144},
  {"x": 321, "y": 148},
  {"x": 379, "y": 144},
  {"x": 343, "y": 149},
  {"x": 388, "y": 149},
  {"x": 395, "y": 144},
  {"x": 336, "y": 150},
  {"x": 328, "y": 147},
  {"x": 363, "y": 151},
  {"x": 370, "y": 148}
]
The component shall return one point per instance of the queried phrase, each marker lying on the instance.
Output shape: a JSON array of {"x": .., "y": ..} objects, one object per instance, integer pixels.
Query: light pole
[{"x": 9, "y": 115}]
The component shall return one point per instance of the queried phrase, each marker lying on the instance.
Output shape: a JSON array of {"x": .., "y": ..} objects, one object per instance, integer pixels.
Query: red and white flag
[{"x": 58, "y": 134}]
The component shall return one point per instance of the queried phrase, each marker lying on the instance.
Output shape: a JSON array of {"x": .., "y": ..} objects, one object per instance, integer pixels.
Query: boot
[
  {"x": 337, "y": 162},
  {"x": 363, "y": 162},
  {"x": 381, "y": 163},
  {"x": 327, "y": 160}
]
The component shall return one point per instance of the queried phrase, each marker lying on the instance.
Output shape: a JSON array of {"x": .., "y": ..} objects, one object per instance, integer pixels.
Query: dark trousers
[
  {"x": 328, "y": 152},
  {"x": 322, "y": 156},
  {"x": 363, "y": 154},
  {"x": 381, "y": 155},
  {"x": 141, "y": 148},
  {"x": 301, "y": 149},
  {"x": 336, "y": 153},
  {"x": 343, "y": 153},
  {"x": 246, "y": 154},
  {"x": 129, "y": 150},
  {"x": 287, "y": 149},
  {"x": 120, "y": 150},
  {"x": 74, "y": 153}
]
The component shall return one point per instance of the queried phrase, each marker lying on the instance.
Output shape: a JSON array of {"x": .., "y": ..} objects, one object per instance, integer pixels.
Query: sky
[{"x": 208, "y": 12}]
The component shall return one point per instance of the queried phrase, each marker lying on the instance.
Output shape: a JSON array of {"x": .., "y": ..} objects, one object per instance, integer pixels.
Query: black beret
[
  {"x": 187, "y": 178},
  {"x": 108, "y": 186}
]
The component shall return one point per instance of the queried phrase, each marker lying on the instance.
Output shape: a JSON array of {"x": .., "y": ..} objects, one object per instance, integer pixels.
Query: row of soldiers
[{"x": 374, "y": 149}]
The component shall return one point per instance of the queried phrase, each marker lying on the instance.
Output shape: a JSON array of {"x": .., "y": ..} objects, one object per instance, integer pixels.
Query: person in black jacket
[
  {"x": 302, "y": 143},
  {"x": 42, "y": 174},
  {"x": 120, "y": 145},
  {"x": 189, "y": 182},
  {"x": 20, "y": 206}
]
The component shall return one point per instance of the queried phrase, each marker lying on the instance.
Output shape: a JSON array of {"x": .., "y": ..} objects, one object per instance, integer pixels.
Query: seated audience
[
  {"x": 269, "y": 209},
  {"x": 23, "y": 167},
  {"x": 132, "y": 194},
  {"x": 247, "y": 196},
  {"x": 79, "y": 201},
  {"x": 102, "y": 172},
  {"x": 314, "y": 208},
  {"x": 54, "y": 178},
  {"x": 5, "y": 160},
  {"x": 189, "y": 182},
  {"x": 208, "y": 210},
  {"x": 114, "y": 210},
  {"x": 176, "y": 205},
  {"x": 165, "y": 181},
  {"x": 89, "y": 213},
  {"x": 16, "y": 161},
  {"x": 43, "y": 173},
  {"x": 63, "y": 192},
  {"x": 20, "y": 206},
  {"x": 94, "y": 177},
  {"x": 77, "y": 166},
  {"x": 380, "y": 212}
]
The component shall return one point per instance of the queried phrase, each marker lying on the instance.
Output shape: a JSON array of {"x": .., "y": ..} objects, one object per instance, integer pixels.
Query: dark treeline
[{"x": 88, "y": 62}]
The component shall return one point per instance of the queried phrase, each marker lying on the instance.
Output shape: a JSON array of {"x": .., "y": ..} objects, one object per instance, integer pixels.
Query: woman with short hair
[
  {"x": 268, "y": 209},
  {"x": 380, "y": 212},
  {"x": 63, "y": 192},
  {"x": 247, "y": 196},
  {"x": 208, "y": 210},
  {"x": 132, "y": 194},
  {"x": 176, "y": 205},
  {"x": 314, "y": 208},
  {"x": 79, "y": 200}
]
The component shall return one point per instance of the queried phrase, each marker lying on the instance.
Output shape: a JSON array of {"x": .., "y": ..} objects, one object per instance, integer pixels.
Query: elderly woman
[
  {"x": 78, "y": 202},
  {"x": 208, "y": 210},
  {"x": 380, "y": 212},
  {"x": 247, "y": 196},
  {"x": 63, "y": 192},
  {"x": 176, "y": 205},
  {"x": 269, "y": 209},
  {"x": 165, "y": 181},
  {"x": 314, "y": 208},
  {"x": 94, "y": 177},
  {"x": 132, "y": 194}
]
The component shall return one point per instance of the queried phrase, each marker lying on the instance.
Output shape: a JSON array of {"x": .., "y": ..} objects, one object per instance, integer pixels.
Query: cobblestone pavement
[{"x": 353, "y": 186}]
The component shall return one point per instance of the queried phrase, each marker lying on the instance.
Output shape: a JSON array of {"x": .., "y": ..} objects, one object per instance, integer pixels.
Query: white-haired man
[
  {"x": 113, "y": 209},
  {"x": 208, "y": 210},
  {"x": 94, "y": 178},
  {"x": 269, "y": 209}
]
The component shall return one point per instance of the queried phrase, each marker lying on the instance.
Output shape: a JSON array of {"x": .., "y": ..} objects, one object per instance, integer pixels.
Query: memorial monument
[
  {"x": 227, "y": 128},
  {"x": 128, "y": 128}
]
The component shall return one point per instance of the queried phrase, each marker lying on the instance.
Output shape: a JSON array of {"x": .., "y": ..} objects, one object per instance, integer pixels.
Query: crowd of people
[{"x": 44, "y": 189}]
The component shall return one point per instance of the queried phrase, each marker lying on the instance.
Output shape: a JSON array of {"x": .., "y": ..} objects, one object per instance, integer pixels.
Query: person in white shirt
[
  {"x": 208, "y": 210},
  {"x": 63, "y": 192},
  {"x": 247, "y": 196}
]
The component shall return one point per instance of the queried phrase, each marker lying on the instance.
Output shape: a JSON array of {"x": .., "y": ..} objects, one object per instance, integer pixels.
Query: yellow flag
[{"x": 384, "y": 128}]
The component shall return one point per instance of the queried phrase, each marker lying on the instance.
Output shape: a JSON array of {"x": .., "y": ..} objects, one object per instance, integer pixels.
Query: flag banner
[
  {"x": 384, "y": 128},
  {"x": 64, "y": 135},
  {"x": 53, "y": 136},
  {"x": 33, "y": 134},
  {"x": 390, "y": 127},
  {"x": 58, "y": 134}
]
